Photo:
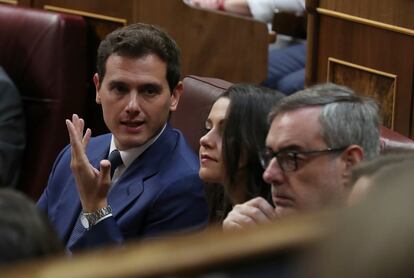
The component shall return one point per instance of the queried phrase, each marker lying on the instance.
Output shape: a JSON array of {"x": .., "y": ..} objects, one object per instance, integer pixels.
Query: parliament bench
[{"x": 44, "y": 54}]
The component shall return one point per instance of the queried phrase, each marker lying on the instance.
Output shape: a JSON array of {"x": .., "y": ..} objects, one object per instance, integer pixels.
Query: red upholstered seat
[
  {"x": 45, "y": 55},
  {"x": 200, "y": 94},
  {"x": 392, "y": 141}
]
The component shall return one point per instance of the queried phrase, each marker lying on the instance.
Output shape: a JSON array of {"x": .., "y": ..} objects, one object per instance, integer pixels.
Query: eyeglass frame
[{"x": 265, "y": 154}]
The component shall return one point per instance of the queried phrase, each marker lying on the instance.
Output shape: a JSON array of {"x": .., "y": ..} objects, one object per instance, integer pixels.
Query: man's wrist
[
  {"x": 88, "y": 207},
  {"x": 89, "y": 219}
]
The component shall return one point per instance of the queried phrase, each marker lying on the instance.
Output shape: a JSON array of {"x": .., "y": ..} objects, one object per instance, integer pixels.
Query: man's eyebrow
[
  {"x": 288, "y": 148},
  {"x": 114, "y": 83},
  {"x": 153, "y": 86}
]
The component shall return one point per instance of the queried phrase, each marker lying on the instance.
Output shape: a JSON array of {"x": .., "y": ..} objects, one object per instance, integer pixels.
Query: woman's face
[{"x": 211, "y": 159}]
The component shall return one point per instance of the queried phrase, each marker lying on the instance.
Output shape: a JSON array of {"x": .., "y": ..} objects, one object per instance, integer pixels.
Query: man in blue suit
[{"x": 155, "y": 190}]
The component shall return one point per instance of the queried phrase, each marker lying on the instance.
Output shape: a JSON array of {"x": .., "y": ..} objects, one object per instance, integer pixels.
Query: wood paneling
[
  {"x": 368, "y": 82},
  {"x": 213, "y": 43},
  {"x": 9, "y": 2},
  {"x": 118, "y": 9},
  {"x": 395, "y": 12},
  {"x": 368, "y": 44}
]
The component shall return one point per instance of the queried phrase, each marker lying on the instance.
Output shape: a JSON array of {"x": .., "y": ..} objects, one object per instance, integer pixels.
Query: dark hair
[
  {"x": 245, "y": 134},
  {"x": 346, "y": 118},
  {"x": 138, "y": 40},
  {"x": 25, "y": 231}
]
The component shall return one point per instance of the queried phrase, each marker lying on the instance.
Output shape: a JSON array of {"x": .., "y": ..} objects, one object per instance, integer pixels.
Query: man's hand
[
  {"x": 93, "y": 185},
  {"x": 250, "y": 213}
]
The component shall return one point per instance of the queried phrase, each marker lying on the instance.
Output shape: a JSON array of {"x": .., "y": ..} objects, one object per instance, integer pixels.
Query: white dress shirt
[
  {"x": 263, "y": 10},
  {"x": 128, "y": 156}
]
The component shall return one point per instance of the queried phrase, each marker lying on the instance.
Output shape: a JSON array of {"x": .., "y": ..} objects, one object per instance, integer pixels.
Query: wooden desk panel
[
  {"x": 213, "y": 43},
  {"x": 205, "y": 254},
  {"x": 395, "y": 12},
  {"x": 96, "y": 8},
  {"x": 372, "y": 57}
]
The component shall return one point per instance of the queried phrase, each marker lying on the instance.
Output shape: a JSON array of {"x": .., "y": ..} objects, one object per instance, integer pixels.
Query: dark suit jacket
[
  {"x": 159, "y": 193},
  {"x": 12, "y": 132}
]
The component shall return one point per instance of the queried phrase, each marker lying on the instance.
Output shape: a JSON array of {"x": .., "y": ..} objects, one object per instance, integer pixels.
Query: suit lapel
[
  {"x": 128, "y": 187},
  {"x": 131, "y": 183}
]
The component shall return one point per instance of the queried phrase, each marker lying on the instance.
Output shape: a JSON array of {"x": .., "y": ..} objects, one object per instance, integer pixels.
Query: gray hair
[{"x": 346, "y": 118}]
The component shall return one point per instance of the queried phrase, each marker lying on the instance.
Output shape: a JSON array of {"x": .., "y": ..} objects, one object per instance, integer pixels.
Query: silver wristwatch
[{"x": 88, "y": 219}]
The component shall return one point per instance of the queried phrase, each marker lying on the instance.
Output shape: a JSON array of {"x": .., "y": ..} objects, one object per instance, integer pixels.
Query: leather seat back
[{"x": 44, "y": 53}]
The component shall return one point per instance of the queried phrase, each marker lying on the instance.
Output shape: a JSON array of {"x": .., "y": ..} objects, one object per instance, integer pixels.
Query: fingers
[
  {"x": 261, "y": 204},
  {"x": 251, "y": 213},
  {"x": 105, "y": 172},
  {"x": 94, "y": 187},
  {"x": 75, "y": 129},
  {"x": 86, "y": 138},
  {"x": 78, "y": 143},
  {"x": 231, "y": 225}
]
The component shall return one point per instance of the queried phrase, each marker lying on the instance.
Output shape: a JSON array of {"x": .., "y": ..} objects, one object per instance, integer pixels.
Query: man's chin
[
  {"x": 282, "y": 211},
  {"x": 131, "y": 142}
]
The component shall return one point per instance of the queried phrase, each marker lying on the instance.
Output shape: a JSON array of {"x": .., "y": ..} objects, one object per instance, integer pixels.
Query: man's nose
[
  {"x": 133, "y": 102},
  {"x": 273, "y": 174}
]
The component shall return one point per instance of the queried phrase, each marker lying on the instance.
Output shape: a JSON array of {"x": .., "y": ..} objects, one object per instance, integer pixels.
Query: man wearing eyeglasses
[{"x": 315, "y": 138}]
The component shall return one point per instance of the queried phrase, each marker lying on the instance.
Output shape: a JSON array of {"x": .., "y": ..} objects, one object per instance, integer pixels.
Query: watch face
[{"x": 84, "y": 221}]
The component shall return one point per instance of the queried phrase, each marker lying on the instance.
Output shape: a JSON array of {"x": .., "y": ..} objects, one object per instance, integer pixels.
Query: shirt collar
[{"x": 128, "y": 156}]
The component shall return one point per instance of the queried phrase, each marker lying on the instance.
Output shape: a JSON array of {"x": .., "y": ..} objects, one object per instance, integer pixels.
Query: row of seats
[{"x": 45, "y": 54}]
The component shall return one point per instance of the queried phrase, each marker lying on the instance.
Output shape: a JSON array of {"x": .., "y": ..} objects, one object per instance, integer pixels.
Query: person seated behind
[
  {"x": 25, "y": 232},
  {"x": 286, "y": 65},
  {"x": 12, "y": 132},
  {"x": 375, "y": 237},
  {"x": 236, "y": 130},
  {"x": 156, "y": 189},
  {"x": 363, "y": 173},
  {"x": 260, "y": 9},
  {"x": 315, "y": 137}
]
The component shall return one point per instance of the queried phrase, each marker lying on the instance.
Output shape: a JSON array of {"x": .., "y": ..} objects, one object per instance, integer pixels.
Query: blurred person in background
[
  {"x": 286, "y": 62},
  {"x": 12, "y": 132},
  {"x": 25, "y": 232}
]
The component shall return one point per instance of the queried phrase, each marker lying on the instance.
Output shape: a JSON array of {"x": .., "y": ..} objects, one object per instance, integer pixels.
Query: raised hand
[
  {"x": 93, "y": 184},
  {"x": 250, "y": 213}
]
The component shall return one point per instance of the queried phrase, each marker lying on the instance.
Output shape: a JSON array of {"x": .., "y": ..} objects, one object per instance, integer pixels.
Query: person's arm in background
[
  {"x": 12, "y": 132},
  {"x": 264, "y": 9},
  {"x": 233, "y": 6},
  {"x": 260, "y": 9}
]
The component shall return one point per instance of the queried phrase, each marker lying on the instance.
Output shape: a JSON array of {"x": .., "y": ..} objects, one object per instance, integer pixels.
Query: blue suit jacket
[{"x": 159, "y": 193}]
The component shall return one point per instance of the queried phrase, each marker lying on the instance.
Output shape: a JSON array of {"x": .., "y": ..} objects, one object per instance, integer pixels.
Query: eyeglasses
[{"x": 288, "y": 160}]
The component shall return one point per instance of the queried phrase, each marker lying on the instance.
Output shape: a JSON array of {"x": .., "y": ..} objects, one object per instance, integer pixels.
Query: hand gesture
[
  {"x": 250, "y": 213},
  {"x": 93, "y": 185}
]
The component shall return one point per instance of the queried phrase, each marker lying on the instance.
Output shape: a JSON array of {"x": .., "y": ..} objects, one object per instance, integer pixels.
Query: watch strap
[{"x": 98, "y": 215}]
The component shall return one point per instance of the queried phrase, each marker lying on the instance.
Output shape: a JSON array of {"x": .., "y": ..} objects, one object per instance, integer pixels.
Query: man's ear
[
  {"x": 97, "y": 86},
  {"x": 352, "y": 155},
  {"x": 175, "y": 96}
]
